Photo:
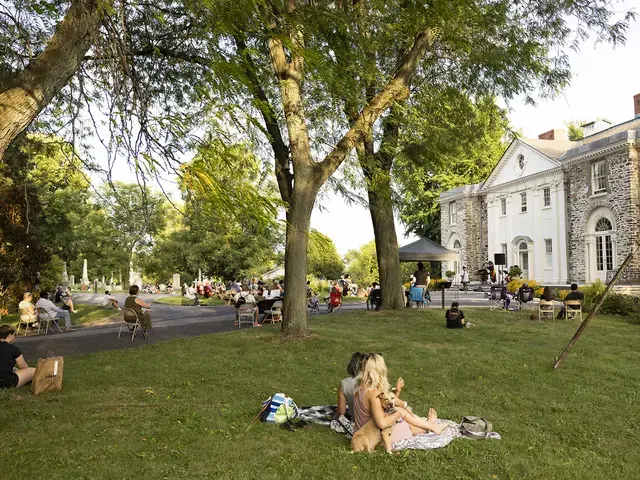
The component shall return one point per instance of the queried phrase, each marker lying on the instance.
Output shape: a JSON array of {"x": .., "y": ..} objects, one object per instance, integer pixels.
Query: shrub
[
  {"x": 621, "y": 304},
  {"x": 561, "y": 294},
  {"x": 449, "y": 273},
  {"x": 318, "y": 285},
  {"x": 515, "y": 284},
  {"x": 591, "y": 293},
  {"x": 515, "y": 271}
]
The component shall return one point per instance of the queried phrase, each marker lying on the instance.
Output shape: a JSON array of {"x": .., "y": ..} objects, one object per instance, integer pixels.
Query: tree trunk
[
  {"x": 295, "y": 260},
  {"x": 35, "y": 86},
  {"x": 381, "y": 209}
]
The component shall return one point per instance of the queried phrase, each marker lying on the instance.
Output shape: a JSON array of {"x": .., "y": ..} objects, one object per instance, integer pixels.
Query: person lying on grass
[
  {"x": 372, "y": 380},
  {"x": 14, "y": 371}
]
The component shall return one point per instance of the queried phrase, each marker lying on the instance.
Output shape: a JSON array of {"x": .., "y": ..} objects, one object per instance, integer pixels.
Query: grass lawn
[
  {"x": 183, "y": 301},
  {"x": 183, "y": 409},
  {"x": 84, "y": 314}
]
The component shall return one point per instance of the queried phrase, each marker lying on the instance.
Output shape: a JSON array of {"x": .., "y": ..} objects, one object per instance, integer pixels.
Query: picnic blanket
[{"x": 325, "y": 415}]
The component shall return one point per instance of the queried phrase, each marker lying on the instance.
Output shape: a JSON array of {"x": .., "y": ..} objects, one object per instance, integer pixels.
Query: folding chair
[
  {"x": 45, "y": 316},
  {"x": 525, "y": 299},
  {"x": 274, "y": 314},
  {"x": 416, "y": 295},
  {"x": 246, "y": 315},
  {"x": 27, "y": 326},
  {"x": 497, "y": 298},
  {"x": 132, "y": 321},
  {"x": 334, "y": 303},
  {"x": 546, "y": 309},
  {"x": 573, "y": 309}
]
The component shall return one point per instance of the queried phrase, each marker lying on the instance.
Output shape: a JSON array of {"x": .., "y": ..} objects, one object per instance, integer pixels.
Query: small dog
[{"x": 369, "y": 436}]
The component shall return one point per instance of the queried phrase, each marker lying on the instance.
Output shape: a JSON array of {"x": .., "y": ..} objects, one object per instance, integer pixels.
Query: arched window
[
  {"x": 523, "y": 247},
  {"x": 604, "y": 245},
  {"x": 456, "y": 245},
  {"x": 521, "y": 162},
  {"x": 604, "y": 225}
]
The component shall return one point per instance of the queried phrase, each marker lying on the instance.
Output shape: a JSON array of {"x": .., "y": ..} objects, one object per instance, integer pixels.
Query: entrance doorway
[{"x": 523, "y": 253}]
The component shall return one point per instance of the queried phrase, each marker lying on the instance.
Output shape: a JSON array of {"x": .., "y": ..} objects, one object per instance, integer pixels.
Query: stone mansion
[{"x": 563, "y": 211}]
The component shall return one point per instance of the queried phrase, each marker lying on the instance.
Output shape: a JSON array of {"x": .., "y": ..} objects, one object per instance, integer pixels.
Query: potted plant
[
  {"x": 515, "y": 271},
  {"x": 450, "y": 274}
]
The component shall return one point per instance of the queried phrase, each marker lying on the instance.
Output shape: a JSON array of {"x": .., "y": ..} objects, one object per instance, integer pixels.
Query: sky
[{"x": 604, "y": 80}]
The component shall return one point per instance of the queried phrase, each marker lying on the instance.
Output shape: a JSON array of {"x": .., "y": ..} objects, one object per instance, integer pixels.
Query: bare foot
[{"x": 433, "y": 416}]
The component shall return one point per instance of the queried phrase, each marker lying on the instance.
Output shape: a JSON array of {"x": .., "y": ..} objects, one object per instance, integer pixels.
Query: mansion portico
[{"x": 563, "y": 211}]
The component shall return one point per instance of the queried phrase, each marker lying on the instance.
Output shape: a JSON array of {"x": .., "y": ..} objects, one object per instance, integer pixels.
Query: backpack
[
  {"x": 278, "y": 409},
  {"x": 475, "y": 428},
  {"x": 241, "y": 301}
]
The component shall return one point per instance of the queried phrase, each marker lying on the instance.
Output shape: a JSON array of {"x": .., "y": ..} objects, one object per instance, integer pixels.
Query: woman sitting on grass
[
  {"x": 372, "y": 380},
  {"x": 10, "y": 357}
]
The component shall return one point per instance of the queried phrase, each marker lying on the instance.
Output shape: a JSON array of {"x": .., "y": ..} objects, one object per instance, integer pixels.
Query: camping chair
[
  {"x": 334, "y": 302},
  {"x": 374, "y": 299},
  {"x": 45, "y": 316},
  {"x": 573, "y": 309},
  {"x": 416, "y": 295},
  {"x": 246, "y": 315},
  {"x": 132, "y": 321},
  {"x": 497, "y": 298},
  {"x": 313, "y": 305},
  {"x": 525, "y": 298},
  {"x": 274, "y": 314},
  {"x": 546, "y": 309}
]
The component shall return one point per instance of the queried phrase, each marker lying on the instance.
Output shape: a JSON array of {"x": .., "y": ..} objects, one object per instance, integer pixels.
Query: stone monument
[
  {"x": 176, "y": 282},
  {"x": 85, "y": 274},
  {"x": 65, "y": 276},
  {"x": 72, "y": 281}
]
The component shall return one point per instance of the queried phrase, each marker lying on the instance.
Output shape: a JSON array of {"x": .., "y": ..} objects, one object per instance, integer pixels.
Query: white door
[
  {"x": 523, "y": 251},
  {"x": 603, "y": 249}
]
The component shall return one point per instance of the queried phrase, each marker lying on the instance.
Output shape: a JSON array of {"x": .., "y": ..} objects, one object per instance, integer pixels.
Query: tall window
[
  {"x": 604, "y": 245},
  {"x": 453, "y": 213},
  {"x": 503, "y": 246},
  {"x": 503, "y": 206},
  {"x": 523, "y": 202},
  {"x": 598, "y": 177},
  {"x": 548, "y": 248},
  {"x": 546, "y": 194}
]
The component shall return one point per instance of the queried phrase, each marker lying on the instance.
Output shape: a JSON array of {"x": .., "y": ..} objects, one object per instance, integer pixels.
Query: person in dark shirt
[
  {"x": 10, "y": 357},
  {"x": 574, "y": 294},
  {"x": 455, "y": 317}
]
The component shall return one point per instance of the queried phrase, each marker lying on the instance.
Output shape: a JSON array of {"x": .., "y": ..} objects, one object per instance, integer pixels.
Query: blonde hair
[{"x": 373, "y": 374}]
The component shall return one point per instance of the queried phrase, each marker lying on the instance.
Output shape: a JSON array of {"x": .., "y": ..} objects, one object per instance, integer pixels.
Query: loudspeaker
[{"x": 499, "y": 259}]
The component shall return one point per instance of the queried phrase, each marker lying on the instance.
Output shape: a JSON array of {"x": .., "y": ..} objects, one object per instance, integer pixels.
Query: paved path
[{"x": 168, "y": 322}]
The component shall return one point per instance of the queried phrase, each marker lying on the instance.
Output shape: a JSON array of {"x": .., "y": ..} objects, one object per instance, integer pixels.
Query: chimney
[
  {"x": 636, "y": 105},
  {"x": 555, "y": 134}
]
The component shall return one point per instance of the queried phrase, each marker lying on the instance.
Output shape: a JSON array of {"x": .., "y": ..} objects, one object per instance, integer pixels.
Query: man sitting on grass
[
  {"x": 109, "y": 301},
  {"x": 455, "y": 317},
  {"x": 574, "y": 294}
]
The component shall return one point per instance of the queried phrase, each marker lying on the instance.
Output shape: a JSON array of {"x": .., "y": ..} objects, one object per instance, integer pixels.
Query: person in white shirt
[
  {"x": 53, "y": 310},
  {"x": 249, "y": 304},
  {"x": 465, "y": 279},
  {"x": 28, "y": 314},
  {"x": 109, "y": 301}
]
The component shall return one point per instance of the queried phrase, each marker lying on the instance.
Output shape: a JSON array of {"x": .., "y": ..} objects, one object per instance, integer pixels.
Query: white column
[
  {"x": 535, "y": 257},
  {"x": 560, "y": 249}
]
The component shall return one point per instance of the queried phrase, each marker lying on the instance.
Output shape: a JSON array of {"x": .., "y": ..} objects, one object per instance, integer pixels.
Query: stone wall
[
  {"x": 622, "y": 199},
  {"x": 470, "y": 230}
]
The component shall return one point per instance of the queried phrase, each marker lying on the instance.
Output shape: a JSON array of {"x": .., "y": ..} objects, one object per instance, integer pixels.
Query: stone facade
[
  {"x": 470, "y": 230},
  {"x": 621, "y": 199}
]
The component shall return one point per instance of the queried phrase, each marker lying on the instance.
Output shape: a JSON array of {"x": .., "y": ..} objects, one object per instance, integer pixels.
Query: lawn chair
[
  {"x": 573, "y": 309},
  {"x": 313, "y": 306},
  {"x": 546, "y": 309},
  {"x": 525, "y": 299},
  {"x": 48, "y": 319},
  {"x": 334, "y": 302},
  {"x": 497, "y": 298},
  {"x": 374, "y": 299},
  {"x": 132, "y": 321},
  {"x": 274, "y": 314},
  {"x": 246, "y": 315},
  {"x": 416, "y": 295}
]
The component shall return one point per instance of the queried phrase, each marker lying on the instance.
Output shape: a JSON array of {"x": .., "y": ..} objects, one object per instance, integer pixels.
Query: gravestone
[
  {"x": 85, "y": 274},
  {"x": 176, "y": 282},
  {"x": 72, "y": 281}
]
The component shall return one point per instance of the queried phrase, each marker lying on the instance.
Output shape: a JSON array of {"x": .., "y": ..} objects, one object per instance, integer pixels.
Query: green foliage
[
  {"x": 450, "y": 273},
  {"x": 323, "y": 259},
  {"x": 621, "y": 304},
  {"x": 362, "y": 264},
  {"x": 515, "y": 271},
  {"x": 591, "y": 294},
  {"x": 451, "y": 140},
  {"x": 514, "y": 285},
  {"x": 574, "y": 130}
]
